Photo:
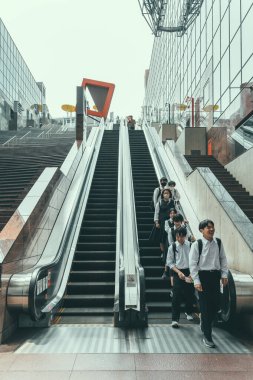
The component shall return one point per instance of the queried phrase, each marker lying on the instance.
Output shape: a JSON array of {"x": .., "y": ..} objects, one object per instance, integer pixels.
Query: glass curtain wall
[
  {"x": 204, "y": 78},
  {"x": 16, "y": 81}
]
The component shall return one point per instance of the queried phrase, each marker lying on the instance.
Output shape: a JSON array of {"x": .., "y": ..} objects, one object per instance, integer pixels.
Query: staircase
[
  {"x": 145, "y": 181},
  {"x": 89, "y": 296},
  {"x": 233, "y": 187},
  {"x": 20, "y": 167}
]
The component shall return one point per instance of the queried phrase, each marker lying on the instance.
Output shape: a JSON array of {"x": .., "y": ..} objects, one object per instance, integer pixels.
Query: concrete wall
[
  {"x": 157, "y": 126},
  {"x": 168, "y": 132},
  {"x": 181, "y": 142},
  {"x": 241, "y": 168},
  {"x": 192, "y": 139}
]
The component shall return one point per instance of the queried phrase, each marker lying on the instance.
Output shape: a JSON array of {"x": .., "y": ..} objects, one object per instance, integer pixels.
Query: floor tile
[
  {"x": 190, "y": 362},
  {"x": 41, "y": 375},
  {"x": 165, "y": 375},
  {"x": 43, "y": 362},
  {"x": 104, "y": 362},
  {"x": 6, "y": 361},
  {"x": 103, "y": 375}
]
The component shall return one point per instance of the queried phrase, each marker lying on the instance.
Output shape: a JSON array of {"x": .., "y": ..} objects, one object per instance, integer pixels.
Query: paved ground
[{"x": 61, "y": 352}]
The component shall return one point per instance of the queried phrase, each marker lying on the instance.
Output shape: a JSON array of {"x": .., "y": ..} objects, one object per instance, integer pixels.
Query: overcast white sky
[{"x": 64, "y": 41}]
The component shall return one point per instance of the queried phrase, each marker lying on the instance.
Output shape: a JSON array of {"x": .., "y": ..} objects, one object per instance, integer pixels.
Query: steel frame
[{"x": 154, "y": 13}]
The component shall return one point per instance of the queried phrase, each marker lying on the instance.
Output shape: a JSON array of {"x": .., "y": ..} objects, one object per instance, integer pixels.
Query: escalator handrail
[{"x": 119, "y": 298}]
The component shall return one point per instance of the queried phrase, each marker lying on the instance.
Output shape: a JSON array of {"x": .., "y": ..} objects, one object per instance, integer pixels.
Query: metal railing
[{"x": 11, "y": 141}]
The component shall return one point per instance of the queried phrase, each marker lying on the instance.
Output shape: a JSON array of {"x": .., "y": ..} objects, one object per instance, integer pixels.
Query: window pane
[
  {"x": 235, "y": 56},
  {"x": 216, "y": 15},
  {"x": 245, "y": 6},
  {"x": 234, "y": 17},
  {"x": 224, "y": 6},
  {"x": 247, "y": 71},
  {"x": 216, "y": 49},
  {"x": 247, "y": 30},
  {"x": 216, "y": 85},
  {"x": 209, "y": 29},
  {"x": 235, "y": 87},
  {"x": 224, "y": 72},
  {"x": 224, "y": 33}
]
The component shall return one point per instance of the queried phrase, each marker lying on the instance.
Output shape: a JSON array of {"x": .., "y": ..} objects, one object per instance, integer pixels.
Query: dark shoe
[{"x": 208, "y": 343}]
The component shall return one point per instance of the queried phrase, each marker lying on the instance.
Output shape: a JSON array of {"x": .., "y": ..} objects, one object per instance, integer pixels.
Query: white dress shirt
[
  {"x": 181, "y": 259},
  {"x": 170, "y": 237},
  {"x": 210, "y": 259}
]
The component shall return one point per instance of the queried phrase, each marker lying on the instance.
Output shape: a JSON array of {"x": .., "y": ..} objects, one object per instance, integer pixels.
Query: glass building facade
[
  {"x": 204, "y": 77},
  {"x": 21, "y": 97}
]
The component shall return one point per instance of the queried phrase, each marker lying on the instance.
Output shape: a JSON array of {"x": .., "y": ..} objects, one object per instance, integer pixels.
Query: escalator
[
  {"x": 89, "y": 296},
  {"x": 233, "y": 187},
  {"x": 144, "y": 182}
]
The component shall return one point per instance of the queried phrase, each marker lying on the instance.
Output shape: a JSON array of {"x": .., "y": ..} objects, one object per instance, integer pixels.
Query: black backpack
[{"x": 200, "y": 245}]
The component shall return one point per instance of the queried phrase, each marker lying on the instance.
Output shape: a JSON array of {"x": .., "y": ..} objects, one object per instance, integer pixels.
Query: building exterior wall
[
  {"x": 21, "y": 98},
  {"x": 211, "y": 64}
]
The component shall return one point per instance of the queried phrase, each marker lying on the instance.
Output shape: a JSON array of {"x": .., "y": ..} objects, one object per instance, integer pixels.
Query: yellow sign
[
  {"x": 181, "y": 107},
  {"x": 211, "y": 107},
  {"x": 68, "y": 108}
]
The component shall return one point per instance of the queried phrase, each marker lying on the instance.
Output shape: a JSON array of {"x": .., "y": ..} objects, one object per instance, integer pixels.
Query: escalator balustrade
[
  {"x": 144, "y": 182},
  {"x": 89, "y": 296}
]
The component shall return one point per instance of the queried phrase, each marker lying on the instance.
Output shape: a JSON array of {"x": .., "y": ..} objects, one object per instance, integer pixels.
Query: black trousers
[
  {"x": 181, "y": 291},
  {"x": 209, "y": 299}
]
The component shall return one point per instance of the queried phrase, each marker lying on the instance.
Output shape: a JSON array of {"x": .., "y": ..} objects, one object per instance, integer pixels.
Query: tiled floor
[
  {"x": 58, "y": 354},
  {"x": 125, "y": 366}
]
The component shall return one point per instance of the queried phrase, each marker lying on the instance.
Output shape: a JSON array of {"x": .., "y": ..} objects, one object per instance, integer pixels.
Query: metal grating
[{"x": 108, "y": 339}]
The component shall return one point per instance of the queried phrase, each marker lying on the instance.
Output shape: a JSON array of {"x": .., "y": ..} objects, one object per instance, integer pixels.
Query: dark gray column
[{"x": 80, "y": 114}]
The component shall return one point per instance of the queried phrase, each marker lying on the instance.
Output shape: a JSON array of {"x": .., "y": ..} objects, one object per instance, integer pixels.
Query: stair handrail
[
  {"x": 13, "y": 139},
  {"x": 25, "y": 135}
]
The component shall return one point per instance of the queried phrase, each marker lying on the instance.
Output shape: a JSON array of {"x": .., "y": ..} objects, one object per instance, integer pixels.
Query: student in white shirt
[
  {"x": 158, "y": 190},
  {"x": 175, "y": 192},
  {"x": 178, "y": 262},
  {"x": 208, "y": 268}
]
